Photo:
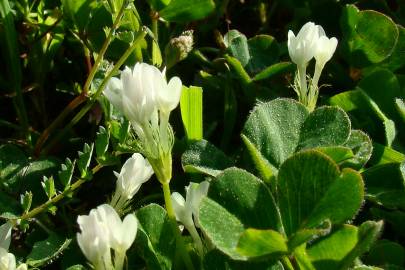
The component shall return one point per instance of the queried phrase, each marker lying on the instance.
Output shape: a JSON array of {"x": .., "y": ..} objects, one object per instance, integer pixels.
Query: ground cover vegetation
[{"x": 202, "y": 134}]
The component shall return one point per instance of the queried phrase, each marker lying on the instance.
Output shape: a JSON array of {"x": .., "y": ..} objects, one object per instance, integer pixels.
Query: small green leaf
[
  {"x": 361, "y": 145},
  {"x": 26, "y": 201},
  {"x": 49, "y": 187},
  {"x": 157, "y": 5},
  {"x": 102, "y": 140},
  {"x": 393, "y": 171},
  {"x": 191, "y": 105},
  {"x": 187, "y": 10},
  {"x": 83, "y": 162},
  {"x": 66, "y": 172},
  {"x": 275, "y": 69},
  {"x": 255, "y": 243},
  {"x": 400, "y": 106},
  {"x": 47, "y": 250},
  {"x": 203, "y": 157}
]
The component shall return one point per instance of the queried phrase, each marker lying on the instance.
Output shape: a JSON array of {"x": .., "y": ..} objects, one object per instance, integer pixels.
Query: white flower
[
  {"x": 187, "y": 209},
  {"x": 302, "y": 47},
  {"x": 135, "y": 171},
  {"x": 121, "y": 234},
  {"x": 325, "y": 48},
  {"x": 141, "y": 91},
  {"x": 5, "y": 235},
  {"x": 94, "y": 238},
  {"x": 7, "y": 261}
]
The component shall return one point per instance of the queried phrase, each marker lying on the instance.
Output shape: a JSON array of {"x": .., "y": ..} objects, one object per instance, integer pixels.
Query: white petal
[
  {"x": 5, "y": 235},
  {"x": 113, "y": 92},
  {"x": 169, "y": 97},
  {"x": 129, "y": 229}
]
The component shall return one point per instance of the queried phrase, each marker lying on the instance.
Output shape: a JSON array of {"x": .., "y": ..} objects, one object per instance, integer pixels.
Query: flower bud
[
  {"x": 325, "y": 48},
  {"x": 302, "y": 47},
  {"x": 135, "y": 171},
  {"x": 179, "y": 48}
]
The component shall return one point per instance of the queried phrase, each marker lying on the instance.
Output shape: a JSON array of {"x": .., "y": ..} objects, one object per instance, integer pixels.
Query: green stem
[
  {"x": 302, "y": 73},
  {"x": 119, "y": 259},
  {"x": 196, "y": 238},
  {"x": 286, "y": 263},
  {"x": 172, "y": 217},
  {"x": 44, "y": 206},
  {"x": 104, "y": 48}
]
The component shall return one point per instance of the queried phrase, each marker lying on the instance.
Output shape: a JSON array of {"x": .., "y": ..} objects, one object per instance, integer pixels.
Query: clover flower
[
  {"x": 187, "y": 210},
  {"x": 310, "y": 42},
  {"x": 135, "y": 171},
  {"x": 103, "y": 230}
]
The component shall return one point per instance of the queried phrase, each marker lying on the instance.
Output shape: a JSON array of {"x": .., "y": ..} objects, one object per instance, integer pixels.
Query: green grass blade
[{"x": 191, "y": 112}]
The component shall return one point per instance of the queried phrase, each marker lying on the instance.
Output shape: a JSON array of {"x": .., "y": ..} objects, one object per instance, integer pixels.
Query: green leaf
[
  {"x": 12, "y": 161},
  {"x": 275, "y": 69},
  {"x": 155, "y": 241},
  {"x": 26, "y": 201},
  {"x": 187, "y": 10},
  {"x": 78, "y": 11},
  {"x": 311, "y": 189},
  {"x": 397, "y": 58},
  {"x": 338, "y": 250},
  {"x": 215, "y": 260},
  {"x": 191, "y": 106},
  {"x": 361, "y": 145},
  {"x": 204, "y": 157},
  {"x": 369, "y": 37},
  {"x": 238, "y": 46},
  {"x": 373, "y": 177},
  {"x": 263, "y": 52},
  {"x": 326, "y": 126},
  {"x": 396, "y": 219},
  {"x": 265, "y": 169},
  {"x": 327, "y": 252},
  {"x": 367, "y": 234},
  {"x": 47, "y": 250},
  {"x": 66, "y": 172},
  {"x": 102, "y": 140},
  {"x": 255, "y": 243},
  {"x": 236, "y": 200},
  {"x": 338, "y": 154},
  {"x": 382, "y": 155},
  {"x": 274, "y": 128},
  {"x": 368, "y": 115},
  {"x": 400, "y": 106},
  {"x": 83, "y": 162},
  {"x": 49, "y": 186},
  {"x": 382, "y": 87},
  {"x": 386, "y": 252},
  {"x": 281, "y": 127}
]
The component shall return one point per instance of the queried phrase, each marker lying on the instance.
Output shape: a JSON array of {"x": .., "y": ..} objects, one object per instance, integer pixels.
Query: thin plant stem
[
  {"x": 286, "y": 263},
  {"x": 172, "y": 217},
  {"x": 196, "y": 238},
  {"x": 83, "y": 96},
  {"x": 39, "y": 209},
  {"x": 91, "y": 102},
  {"x": 303, "y": 83}
]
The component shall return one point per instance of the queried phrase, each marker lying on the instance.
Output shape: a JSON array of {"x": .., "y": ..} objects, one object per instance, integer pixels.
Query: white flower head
[
  {"x": 102, "y": 230},
  {"x": 135, "y": 171},
  {"x": 141, "y": 91},
  {"x": 7, "y": 260},
  {"x": 186, "y": 210},
  {"x": 325, "y": 48},
  {"x": 302, "y": 47}
]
